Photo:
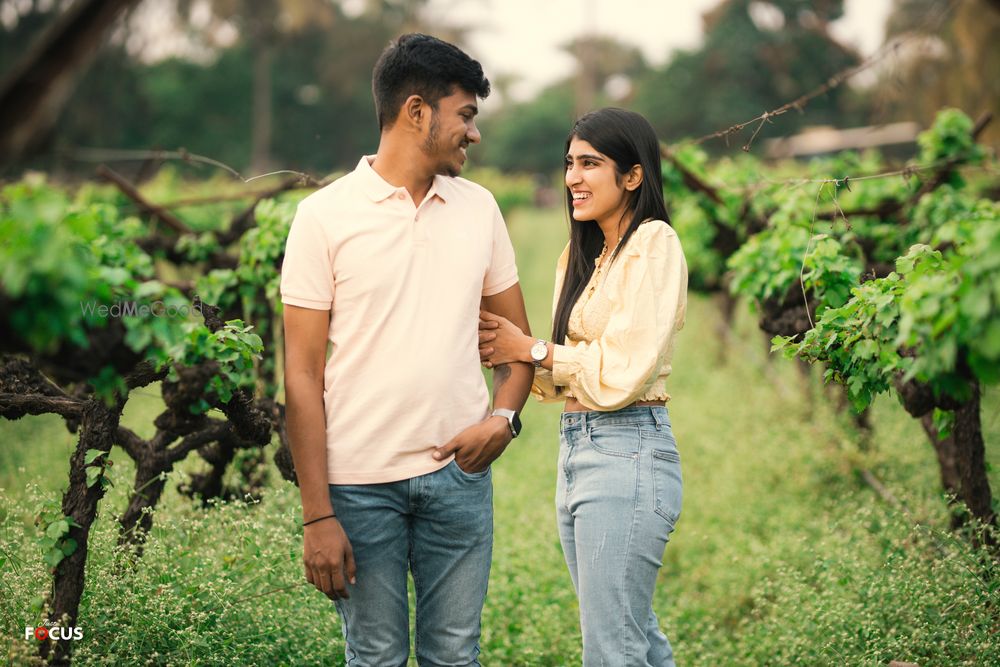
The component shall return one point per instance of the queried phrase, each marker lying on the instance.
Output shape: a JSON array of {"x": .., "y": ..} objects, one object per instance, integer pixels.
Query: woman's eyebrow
[{"x": 584, "y": 156}]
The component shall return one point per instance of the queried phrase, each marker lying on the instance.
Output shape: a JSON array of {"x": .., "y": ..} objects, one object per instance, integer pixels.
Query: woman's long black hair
[{"x": 628, "y": 139}]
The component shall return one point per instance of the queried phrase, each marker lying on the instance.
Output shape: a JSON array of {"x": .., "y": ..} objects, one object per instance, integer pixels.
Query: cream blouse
[{"x": 620, "y": 335}]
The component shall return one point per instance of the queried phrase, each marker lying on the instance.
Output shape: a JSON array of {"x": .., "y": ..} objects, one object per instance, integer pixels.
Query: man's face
[{"x": 452, "y": 129}]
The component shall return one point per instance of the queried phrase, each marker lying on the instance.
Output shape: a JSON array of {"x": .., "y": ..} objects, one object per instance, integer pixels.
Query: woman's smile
[{"x": 594, "y": 183}]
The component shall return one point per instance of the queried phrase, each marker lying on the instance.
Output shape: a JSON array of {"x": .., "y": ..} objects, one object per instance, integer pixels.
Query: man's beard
[{"x": 432, "y": 147}]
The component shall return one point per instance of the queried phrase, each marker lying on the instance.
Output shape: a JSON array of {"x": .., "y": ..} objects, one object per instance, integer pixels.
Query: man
[{"x": 392, "y": 438}]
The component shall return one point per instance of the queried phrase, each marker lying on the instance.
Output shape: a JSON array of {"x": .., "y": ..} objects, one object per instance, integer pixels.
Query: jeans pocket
[
  {"x": 618, "y": 440},
  {"x": 471, "y": 476},
  {"x": 667, "y": 485}
]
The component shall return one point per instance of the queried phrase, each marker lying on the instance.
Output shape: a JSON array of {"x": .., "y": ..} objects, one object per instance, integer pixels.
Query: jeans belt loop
[{"x": 657, "y": 418}]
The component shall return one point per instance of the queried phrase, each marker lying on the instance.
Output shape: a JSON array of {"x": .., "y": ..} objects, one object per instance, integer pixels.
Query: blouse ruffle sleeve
[{"x": 648, "y": 296}]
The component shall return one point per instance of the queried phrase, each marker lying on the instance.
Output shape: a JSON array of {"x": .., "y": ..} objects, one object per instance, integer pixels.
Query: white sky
[{"x": 523, "y": 37}]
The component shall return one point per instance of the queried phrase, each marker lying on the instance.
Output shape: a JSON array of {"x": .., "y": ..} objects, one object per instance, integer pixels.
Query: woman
[{"x": 621, "y": 293}]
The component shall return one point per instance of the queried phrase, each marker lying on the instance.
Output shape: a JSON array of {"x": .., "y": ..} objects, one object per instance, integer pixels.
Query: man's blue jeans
[
  {"x": 440, "y": 527},
  {"x": 618, "y": 497}
]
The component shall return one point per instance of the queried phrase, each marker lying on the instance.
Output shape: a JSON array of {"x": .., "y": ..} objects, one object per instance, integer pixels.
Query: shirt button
[{"x": 400, "y": 196}]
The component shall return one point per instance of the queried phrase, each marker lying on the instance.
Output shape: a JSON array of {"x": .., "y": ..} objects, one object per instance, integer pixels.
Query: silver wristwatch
[
  {"x": 513, "y": 421},
  {"x": 539, "y": 351}
]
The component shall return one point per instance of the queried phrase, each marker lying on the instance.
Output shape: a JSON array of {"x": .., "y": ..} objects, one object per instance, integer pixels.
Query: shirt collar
[
  {"x": 439, "y": 188},
  {"x": 378, "y": 189},
  {"x": 374, "y": 185}
]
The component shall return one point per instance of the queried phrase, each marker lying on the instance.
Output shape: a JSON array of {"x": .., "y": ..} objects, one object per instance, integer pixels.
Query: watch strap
[
  {"x": 539, "y": 343},
  {"x": 512, "y": 419}
]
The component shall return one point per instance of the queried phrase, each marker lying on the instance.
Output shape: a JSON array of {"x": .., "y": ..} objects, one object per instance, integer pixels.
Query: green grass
[{"x": 782, "y": 556}]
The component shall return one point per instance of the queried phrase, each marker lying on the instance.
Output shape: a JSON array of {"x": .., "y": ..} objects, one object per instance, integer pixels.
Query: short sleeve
[
  {"x": 648, "y": 307},
  {"x": 502, "y": 272},
  {"x": 307, "y": 269}
]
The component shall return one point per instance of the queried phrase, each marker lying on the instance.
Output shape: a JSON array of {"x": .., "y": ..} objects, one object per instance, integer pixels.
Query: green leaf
[
  {"x": 148, "y": 289},
  {"x": 904, "y": 264},
  {"x": 68, "y": 546},
  {"x": 92, "y": 455},
  {"x": 93, "y": 474},
  {"x": 780, "y": 343},
  {"x": 254, "y": 341},
  {"x": 57, "y": 529},
  {"x": 866, "y": 349},
  {"x": 115, "y": 276},
  {"x": 943, "y": 420},
  {"x": 53, "y": 557}
]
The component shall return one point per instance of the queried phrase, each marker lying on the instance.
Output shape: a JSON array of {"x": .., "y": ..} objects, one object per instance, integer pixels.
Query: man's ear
[
  {"x": 416, "y": 111},
  {"x": 633, "y": 178}
]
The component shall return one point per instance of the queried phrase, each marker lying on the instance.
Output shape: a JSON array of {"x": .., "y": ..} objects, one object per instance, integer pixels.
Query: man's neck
[{"x": 404, "y": 166}]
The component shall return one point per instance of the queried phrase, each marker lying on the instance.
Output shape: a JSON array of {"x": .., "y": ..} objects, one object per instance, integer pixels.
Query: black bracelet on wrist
[{"x": 328, "y": 516}]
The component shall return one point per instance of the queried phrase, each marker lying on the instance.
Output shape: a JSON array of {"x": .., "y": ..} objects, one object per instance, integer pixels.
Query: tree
[
  {"x": 292, "y": 91},
  {"x": 265, "y": 27},
  {"x": 530, "y": 136},
  {"x": 34, "y": 92},
  {"x": 598, "y": 60},
  {"x": 953, "y": 60},
  {"x": 756, "y": 56}
]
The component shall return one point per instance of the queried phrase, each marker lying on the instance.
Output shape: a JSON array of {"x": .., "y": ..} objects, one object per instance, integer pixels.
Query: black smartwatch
[{"x": 513, "y": 420}]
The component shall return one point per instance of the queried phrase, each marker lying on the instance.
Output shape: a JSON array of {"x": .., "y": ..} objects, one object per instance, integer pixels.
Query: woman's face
[{"x": 598, "y": 193}]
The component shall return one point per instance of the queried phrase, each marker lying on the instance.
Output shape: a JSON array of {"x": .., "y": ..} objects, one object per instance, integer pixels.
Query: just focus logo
[{"x": 57, "y": 632}]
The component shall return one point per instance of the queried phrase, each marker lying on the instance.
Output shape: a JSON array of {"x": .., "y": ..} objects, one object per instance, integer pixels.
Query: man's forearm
[
  {"x": 306, "y": 422},
  {"x": 511, "y": 382},
  {"x": 511, "y": 385}
]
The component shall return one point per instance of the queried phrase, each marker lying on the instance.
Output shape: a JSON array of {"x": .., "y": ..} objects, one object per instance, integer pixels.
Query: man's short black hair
[{"x": 422, "y": 65}]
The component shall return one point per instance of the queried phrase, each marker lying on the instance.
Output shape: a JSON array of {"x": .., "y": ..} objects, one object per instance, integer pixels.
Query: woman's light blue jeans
[
  {"x": 439, "y": 526},
  {"x": 618, "y": 498}
]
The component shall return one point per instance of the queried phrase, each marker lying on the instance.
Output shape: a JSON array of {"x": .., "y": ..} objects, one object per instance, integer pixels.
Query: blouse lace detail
[{"x": 620, "y": 335}]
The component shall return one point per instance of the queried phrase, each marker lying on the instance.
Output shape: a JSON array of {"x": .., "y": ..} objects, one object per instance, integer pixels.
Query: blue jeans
[
  {"x": 439, "y": 526},
  {"x": 618, "y": 497}
]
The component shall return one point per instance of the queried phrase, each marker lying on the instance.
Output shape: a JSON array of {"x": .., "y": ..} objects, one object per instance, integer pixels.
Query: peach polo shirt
[{"x": 404, "y": 285}]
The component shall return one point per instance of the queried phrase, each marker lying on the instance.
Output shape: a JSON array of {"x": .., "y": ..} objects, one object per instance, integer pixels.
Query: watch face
[{"x": 539, "y": 351}]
